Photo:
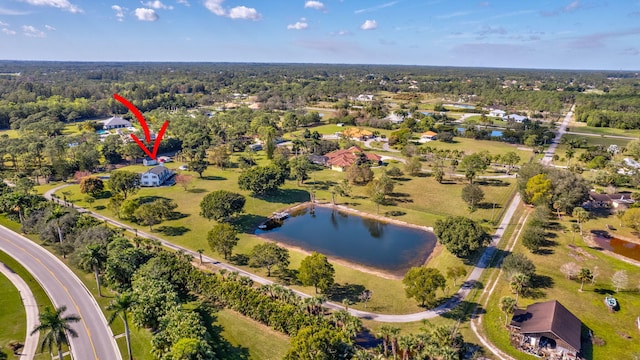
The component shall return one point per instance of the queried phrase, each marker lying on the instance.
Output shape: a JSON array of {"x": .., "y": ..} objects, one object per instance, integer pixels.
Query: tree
[
  {"x": 115, "y": 203},
  {"x": 460, "y": 235},
  {"x": 219, "y": 156},
  {"x": 510, "y": 159},
  {"x": 55, "y": 328},
  {"x": 220, "y": 205},
  {"x": 359, "y": 174},
  {"x": 456, "y": 272},
  {"x": 268, "y": 255},
  {"x": 94, "y": 258},
  {"x": 413, "y": 166},
  {"x": 631, "y": 218},
  {"x": 422, "y": 283},
  {"x": 517, "y": 263},
  {"x": 121, "y": 305},
  {"x": 438, "y": 174},
  {"x": 199, "y": 162},
  {"x": 55, "y": 214},
  {"x": 569, "y": 155},
  {"x": 315, "y": 270},
  {"x": 472, "y": 194},
  {"x": 124, "y": 182},
  {"x": 343, "y": 189},
  {"x": 261, "y": 179},
  {"x": 378, "y": 189},
  {"x": 584, "y": 275},
  {"x": 394, "y": 172},
  {"x": 570, "y": 270},
  {"x": 148, "y": 214},
  {"x": 191, "y": 349},
  {"x": 222, "y": 238},
  {"x": 581, "y": 216},
  {"x": 184, "y": 180},
  {"x": 519, "y": 282},
  {"x": 365, "y": 296},
  {"x": 91, "y": 185},
  {"x": 300, "y": 168},
  {"x": 508, "y": 306},
  {"x": 472, "y": 165},
  {"x": 620, "y": 280},
  {"x": 533, "y": 238},
  {"x": 319, "y": 343},
  {"x": 538, "y": 190},
  {"x": 200, "y": 251}
]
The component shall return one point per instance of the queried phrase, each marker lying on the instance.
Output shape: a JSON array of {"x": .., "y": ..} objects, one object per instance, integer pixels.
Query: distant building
[
  {"x": 156, "y": 176},
  {"x": 149, "y": 161},
  {"x": 547, "y": 329},
  {"x": 364, "y": 97},
  {"x": 497, "y": 113},
  {"x": 357, "y": 134},
  {"x": 116, "y": 122},
  {"x": 340, "y": 160},
  {"x": 428, "y": 136},
  {"x": 515, "y": 117},
  {"x": 395, "y": 118}
]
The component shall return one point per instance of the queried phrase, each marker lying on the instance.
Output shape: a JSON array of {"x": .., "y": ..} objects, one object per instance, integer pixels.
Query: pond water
[
  {"x": 619, "y": 246},
  {"x": 496, "y": 133},
  {"x": 360, "y": 240}
]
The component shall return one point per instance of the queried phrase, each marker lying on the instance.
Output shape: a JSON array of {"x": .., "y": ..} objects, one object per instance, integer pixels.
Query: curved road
[
  {"x": 31, "y": 308},
  {"x": 95, "y": 339}
]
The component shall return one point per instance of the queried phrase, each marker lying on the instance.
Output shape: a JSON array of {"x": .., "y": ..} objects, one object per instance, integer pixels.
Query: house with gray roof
[
  {"x": 116, "y": 122},
  {"x": 156, "y": 176}
]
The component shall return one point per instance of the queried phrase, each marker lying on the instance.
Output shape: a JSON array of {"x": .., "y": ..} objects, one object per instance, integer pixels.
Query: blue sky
[{"x": 564, "y": 34}]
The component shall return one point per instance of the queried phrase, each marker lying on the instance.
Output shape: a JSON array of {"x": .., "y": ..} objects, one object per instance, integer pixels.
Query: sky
[{"x": 554, "y": 34}]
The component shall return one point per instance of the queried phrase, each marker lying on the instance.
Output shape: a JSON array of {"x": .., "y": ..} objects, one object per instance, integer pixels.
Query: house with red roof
[{"x": 340, "y": 160}]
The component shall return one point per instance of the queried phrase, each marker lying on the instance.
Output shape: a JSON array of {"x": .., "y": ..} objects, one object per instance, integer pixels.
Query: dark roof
[
  {"x": 609, "y": 197},
  {"x": 158, "y": 170},
  {"x": 549, "y": 317}
]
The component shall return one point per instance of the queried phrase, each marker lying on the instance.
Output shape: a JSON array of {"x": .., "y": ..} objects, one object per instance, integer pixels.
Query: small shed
[{"x": 149, "y": 161}]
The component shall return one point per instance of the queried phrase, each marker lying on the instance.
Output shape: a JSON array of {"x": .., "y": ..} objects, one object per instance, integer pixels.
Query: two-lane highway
[{"x": 95, "y": 339}]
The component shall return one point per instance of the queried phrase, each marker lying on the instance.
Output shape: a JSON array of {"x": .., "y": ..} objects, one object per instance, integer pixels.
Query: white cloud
[
  {"x": 215, "y": 6},
  {"x": 369, "y": 25},
  {"x": 50, "y": 28},
  {"x": 8, "y": 31},
  {"x": 183, "y": 2},
  {"x": 313, "y": 4},
  {"x": 3, "y": 24},
  {"x": 300, "y": 25},
  {"x": 4, "y": 11},
  {"x": 243, "y": 12},
  {"x": 340, "y": 33},
  {"x": 144, "y": 14},
  {"x": 31, "y": 31},
  {"x": 119, "y": 12},
  {"x": 157, "y": 4},
  {"x": 60, "y": 4}
]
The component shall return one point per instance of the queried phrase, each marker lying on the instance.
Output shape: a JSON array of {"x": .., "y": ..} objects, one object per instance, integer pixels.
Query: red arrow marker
[{"x": 145, "y": 128}]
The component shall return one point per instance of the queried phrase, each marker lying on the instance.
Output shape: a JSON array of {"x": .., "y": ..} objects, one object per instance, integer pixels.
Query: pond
[
  {"x": 496, "y": 133},
  {"x": 364, "y": 241},
  {"x": 619, "y": 246}
]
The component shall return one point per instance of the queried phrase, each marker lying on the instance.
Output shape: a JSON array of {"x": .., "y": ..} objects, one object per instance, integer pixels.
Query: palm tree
[
  {"x": 56, "y": 328},
  {"x": 569, "y": 154},
  {"x": 120, "y": 306},
  {"x": 94, "y": 257},
  {"x": 385, "y": 333},
  {"x": 200, "y": 251},
  {"x": 394, "y": 341},
  {"x": 508, "y": 306},
  {"x": 584, "y": 275},
  {"x": 518, "y": 283},
  {"x": 56, "y": 213}
]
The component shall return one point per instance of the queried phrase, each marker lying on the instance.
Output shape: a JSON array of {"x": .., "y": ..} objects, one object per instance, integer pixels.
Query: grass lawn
[
  {"x": 583, "y": 128},
  {"x": 330, "y": 129},
  {"x": 419, "y": 200},
  {"x": 588, "y": 305},
  {"x": 12, "y": 314},
  {"x": 470, "y": 146},
  {"x": 11, "y": 133},
  {"x": 249, "y": 336}
]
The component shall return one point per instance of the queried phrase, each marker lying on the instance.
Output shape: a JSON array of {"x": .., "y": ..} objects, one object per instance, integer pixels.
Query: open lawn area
[
  {"x": 470, "y": 146},
  {"x": 583, "y": 128},
  {"x": 561, "y": 150},
  {"x": 10, "y": 133},
  {"x": 419, "y": 200},
  {"x": 12, "y": 314},
  {"x": 617, "y": 329},
  {"x": 330, "y": 129}
]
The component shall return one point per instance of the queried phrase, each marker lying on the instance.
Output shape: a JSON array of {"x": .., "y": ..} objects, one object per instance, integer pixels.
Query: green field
[
  {"x": 588, "y": 305},
  {"x": 248, "y": 337},
  {"x": 12, "y": 314},
  {"x": 581, "y": 128},
  {"x": 470, "y": 146}
]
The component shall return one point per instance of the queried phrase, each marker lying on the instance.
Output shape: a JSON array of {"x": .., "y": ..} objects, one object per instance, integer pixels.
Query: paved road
[
  {"x": 31, "y": 307},
  {"x": 95, "y": 339},
  {"x": 548, "y": 155}
]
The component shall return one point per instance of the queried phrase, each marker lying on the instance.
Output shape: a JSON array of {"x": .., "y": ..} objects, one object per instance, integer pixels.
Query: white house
[
  {"x": 515, "y": 117},
  {"x": 428, "y": 136},
  {"x": 497, "y": 113},
  {"x": 156, "y": 176},
  {"x": 116, "y": 122},
  {"x": 395, "y": 118},
  {"x": 149, "y": 161},
  {"x": 364, "y": 97}
]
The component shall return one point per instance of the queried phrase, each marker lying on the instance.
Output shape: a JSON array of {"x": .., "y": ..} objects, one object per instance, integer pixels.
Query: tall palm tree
[
  {"x": 584, "y": 275},
  {"x": 508, "y": 306},
  {"x": 518, "y": 283},
  {"x": 120, "y": 306},
  {"x": 56, "y": 327},
  {"x": 94, "y": 257},
  {"x": 56, "y": 213}
]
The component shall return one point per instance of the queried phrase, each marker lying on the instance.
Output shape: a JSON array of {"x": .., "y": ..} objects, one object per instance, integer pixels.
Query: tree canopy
[
  {"x": 422, "y": 283},
  {"x": 220, "y": 205},
  {"x": 460, "y": 235},
  {"x": 315, "y": 270}
]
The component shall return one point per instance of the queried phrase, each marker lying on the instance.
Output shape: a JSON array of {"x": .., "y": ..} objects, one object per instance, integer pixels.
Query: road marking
[{"x": 82, "y": 319}]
